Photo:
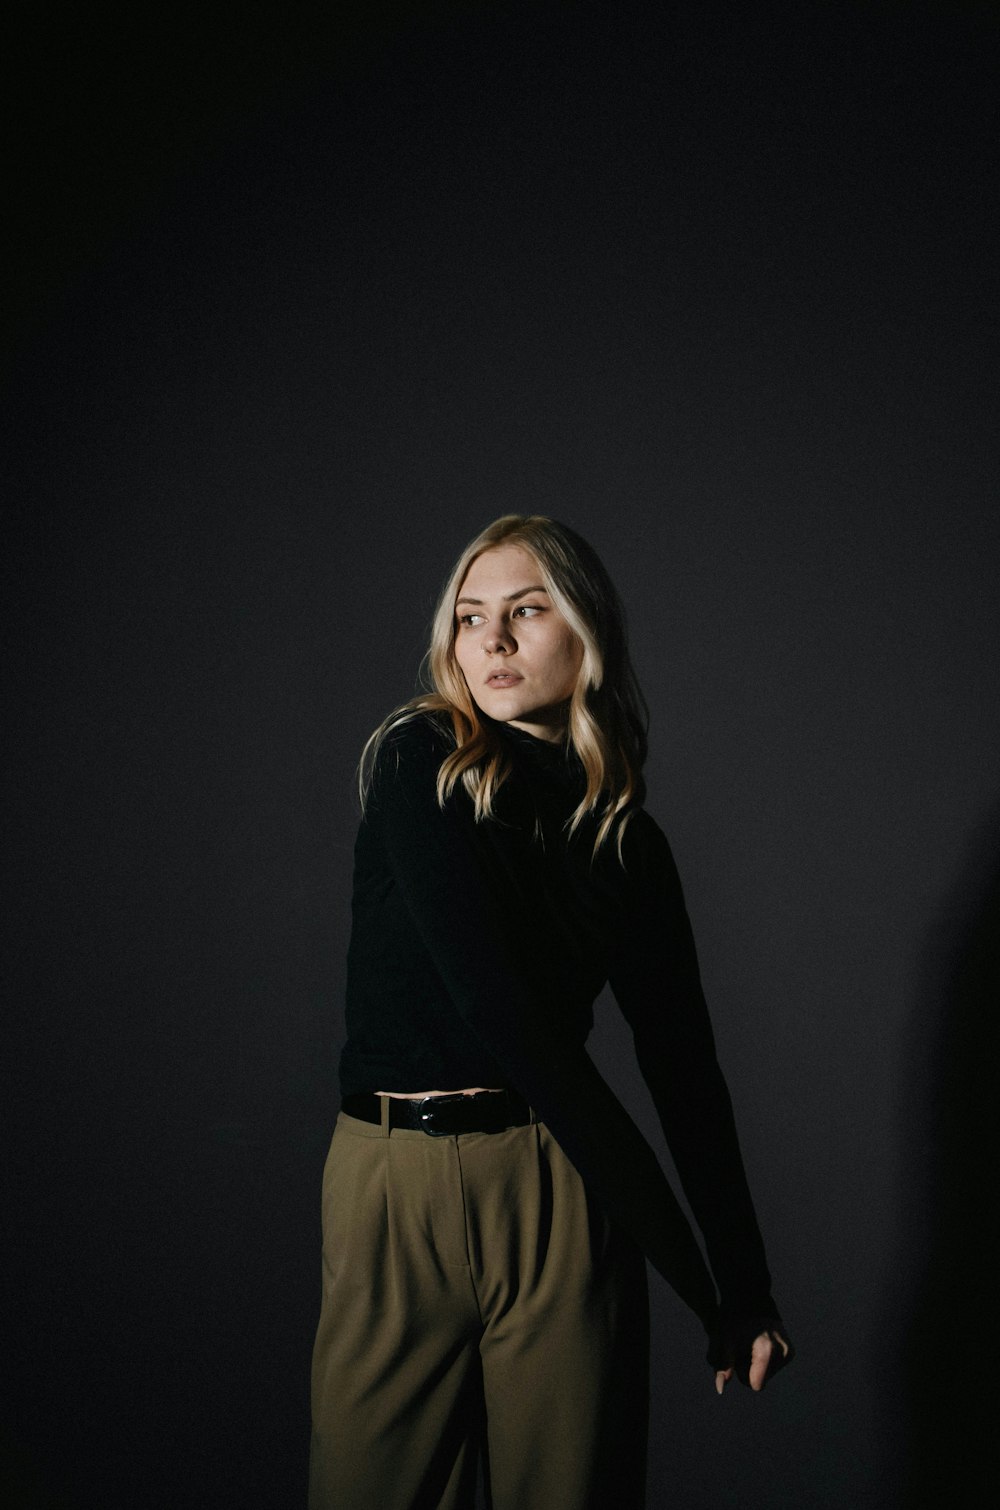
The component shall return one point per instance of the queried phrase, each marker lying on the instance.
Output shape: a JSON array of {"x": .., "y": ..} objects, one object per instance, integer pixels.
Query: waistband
[{"x": 443, "y": 1116}]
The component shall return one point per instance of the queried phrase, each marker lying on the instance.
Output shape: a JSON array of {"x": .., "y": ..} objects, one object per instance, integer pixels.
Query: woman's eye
[
  {"x": 467, "y": 618},
  {"x": 526, "y": 608}
]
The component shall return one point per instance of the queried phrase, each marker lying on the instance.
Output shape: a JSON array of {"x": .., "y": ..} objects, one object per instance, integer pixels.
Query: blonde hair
[{"x": 608, "y": 717}]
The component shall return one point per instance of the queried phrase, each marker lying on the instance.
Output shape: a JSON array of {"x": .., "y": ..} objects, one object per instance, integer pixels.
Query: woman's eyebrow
[{"x": 510, "y": 598}]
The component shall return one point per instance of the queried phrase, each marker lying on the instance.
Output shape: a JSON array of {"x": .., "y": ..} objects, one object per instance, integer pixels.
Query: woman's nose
[{"x": 498, "y": 637}]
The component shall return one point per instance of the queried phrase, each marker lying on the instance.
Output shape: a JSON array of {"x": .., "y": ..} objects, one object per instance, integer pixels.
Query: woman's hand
[{"x": 760, "y": 1360}]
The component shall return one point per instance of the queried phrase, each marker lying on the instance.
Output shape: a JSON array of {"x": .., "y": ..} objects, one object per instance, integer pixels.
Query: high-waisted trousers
[{"x": 476, "y": 1300}]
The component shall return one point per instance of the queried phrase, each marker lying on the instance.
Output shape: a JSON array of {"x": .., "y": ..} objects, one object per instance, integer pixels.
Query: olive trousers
[{"x": 475, "y": 1301}]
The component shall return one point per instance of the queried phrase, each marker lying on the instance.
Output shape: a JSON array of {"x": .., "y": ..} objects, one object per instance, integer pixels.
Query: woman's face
[{"x": 519, "y": 656}]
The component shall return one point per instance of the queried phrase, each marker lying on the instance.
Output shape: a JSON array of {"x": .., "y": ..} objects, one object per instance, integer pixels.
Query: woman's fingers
[
  {"x": 761, "y": 1354},
  {"x": 760, "y": 1357}
]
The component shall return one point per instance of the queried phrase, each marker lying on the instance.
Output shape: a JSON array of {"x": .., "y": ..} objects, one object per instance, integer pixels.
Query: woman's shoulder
[
  {"x": 642, "y": 829},
  {"x": 417, "y": 730},
  {"x": 409, "y": 749},
  {"x": 645, "y": 848}
]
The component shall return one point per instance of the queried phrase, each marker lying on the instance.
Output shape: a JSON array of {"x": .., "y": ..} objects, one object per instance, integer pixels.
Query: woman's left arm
[{"x": 655, "y": 978}]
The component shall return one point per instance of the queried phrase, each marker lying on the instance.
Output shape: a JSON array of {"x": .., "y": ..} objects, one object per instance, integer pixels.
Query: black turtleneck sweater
[{"x": 476, "y": 953}]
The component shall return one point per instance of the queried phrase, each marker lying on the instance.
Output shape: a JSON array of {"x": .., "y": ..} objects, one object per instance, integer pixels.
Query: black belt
[{"x": 444, "y": 1116}]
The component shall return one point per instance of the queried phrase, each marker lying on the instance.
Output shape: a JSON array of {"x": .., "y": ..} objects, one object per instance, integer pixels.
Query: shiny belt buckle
[{"x": 427, "y": 1110}]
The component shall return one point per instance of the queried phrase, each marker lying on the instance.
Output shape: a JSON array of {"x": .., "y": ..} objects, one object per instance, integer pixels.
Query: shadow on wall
[{"x": 949, "y": 1237}]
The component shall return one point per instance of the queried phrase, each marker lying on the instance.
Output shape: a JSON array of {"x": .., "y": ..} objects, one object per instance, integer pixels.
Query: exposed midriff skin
[{"x": 420, "y": 1095}]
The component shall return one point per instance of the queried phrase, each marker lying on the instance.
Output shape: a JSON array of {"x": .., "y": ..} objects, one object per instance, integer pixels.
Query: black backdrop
[{"x": 298, "y": 302}]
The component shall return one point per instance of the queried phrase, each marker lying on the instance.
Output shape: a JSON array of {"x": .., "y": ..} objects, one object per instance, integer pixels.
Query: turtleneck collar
[{"x": 550, "y": 754}]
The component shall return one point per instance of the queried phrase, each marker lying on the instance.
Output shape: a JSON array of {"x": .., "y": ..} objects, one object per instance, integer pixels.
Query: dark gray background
[{"x": 297, "y": 305}]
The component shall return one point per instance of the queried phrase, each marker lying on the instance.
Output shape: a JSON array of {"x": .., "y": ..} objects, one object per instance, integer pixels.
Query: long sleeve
[
  {"x": 471, "y": 922},
  {"x": 655, "y": 978}
]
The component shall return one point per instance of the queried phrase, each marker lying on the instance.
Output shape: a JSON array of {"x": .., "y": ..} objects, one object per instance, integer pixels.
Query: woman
[{"x": 488, "y": 1203}]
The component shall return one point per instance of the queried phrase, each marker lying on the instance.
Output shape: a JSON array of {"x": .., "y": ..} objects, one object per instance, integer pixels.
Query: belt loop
[{"x": 384, "y": 1115}]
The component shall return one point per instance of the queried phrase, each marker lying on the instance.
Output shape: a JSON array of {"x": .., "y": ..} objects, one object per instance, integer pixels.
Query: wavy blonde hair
[{"x": 608, "y": 718}]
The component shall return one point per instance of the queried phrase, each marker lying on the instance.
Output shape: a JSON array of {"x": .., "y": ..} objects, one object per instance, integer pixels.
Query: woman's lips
[{"x": 502, "y": 679}]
